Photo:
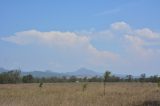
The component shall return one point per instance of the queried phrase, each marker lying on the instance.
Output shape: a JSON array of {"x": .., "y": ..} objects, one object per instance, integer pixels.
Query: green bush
[
  {"x": 158, "y": 84},
  {"x": 40, "y": 84},
  {"x": 27, "y": 79},
  {"x": 84, "y": 86}
]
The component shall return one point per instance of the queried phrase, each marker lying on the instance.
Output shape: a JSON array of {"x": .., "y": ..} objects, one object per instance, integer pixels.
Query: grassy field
[{"x": 71, "y": 94}]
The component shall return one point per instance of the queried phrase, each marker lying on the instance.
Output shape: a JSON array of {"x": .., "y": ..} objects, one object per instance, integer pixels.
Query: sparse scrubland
[{"x": 72, "y": 94}]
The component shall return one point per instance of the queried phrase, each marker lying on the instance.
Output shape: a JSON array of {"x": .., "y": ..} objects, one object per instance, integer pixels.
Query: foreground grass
[{"x": 71, "y": 94}]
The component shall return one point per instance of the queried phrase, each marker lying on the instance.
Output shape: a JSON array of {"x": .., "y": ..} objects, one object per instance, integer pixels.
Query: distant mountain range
[
  {"x": 82, "y": 72},
  {"x": 3, "y": 70}
]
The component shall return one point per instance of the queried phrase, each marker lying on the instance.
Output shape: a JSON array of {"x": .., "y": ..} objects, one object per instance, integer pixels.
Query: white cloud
[
  {"x": 134, "y": 40},
  {"x": 120, "y": 26},
  {"x": 135, "y": 47},
  {"x": 49, "y": 38},
  {"x": 68, "y": 40},
  {"x": 147, "y": 33},
  {"x": 138, "y": 42}
]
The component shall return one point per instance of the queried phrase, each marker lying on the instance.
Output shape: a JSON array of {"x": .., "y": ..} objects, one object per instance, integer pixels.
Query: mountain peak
[
  {"x": 3, "y": 69},
  {"x": 84, "y": 72}
]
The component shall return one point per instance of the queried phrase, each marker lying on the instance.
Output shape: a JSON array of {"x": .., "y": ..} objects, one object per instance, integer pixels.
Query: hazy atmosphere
[{"x": 65, "y": 35}]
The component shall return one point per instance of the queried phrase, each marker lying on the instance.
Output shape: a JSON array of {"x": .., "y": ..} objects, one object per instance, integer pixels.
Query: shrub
[
  {"x": 27, "y": 79},
  {"x": 158, "y": 84},
  {"x": 40, "y": 84},
  {"x": 84, "y": 86}
]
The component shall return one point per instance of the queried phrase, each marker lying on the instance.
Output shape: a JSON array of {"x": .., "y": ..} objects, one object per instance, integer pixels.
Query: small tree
[
  {"x": 84, "y": 86},
  {"x": 159, "y": 84},
  {"x": 28, "y": 78},
  {"x": 143, "y": 77},
  {"x": 129, "y": 78},
  {"x": 40, "y": 84},
  {"x": 106, "y": 77}
]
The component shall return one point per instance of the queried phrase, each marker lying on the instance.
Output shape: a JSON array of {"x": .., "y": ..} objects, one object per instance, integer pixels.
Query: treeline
[{"x": 14, "y": 76}]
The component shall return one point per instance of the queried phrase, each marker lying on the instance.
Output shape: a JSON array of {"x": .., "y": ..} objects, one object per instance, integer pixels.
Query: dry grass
[{"x": 71, "y": 94}]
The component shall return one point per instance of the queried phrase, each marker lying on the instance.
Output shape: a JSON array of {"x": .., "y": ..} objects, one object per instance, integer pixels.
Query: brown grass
[{"x": 71, "y": 94}]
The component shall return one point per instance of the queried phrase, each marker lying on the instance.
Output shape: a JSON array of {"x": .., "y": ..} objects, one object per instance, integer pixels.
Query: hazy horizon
[{"x": 120, "y": 36}]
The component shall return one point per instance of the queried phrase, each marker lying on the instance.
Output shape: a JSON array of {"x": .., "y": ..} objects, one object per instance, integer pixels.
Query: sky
[{"x": 122, "y": 36}]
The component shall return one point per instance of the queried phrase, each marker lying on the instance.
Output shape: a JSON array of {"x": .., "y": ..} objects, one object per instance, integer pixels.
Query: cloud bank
[
  {"x": 63, "y": 41},
  {"x": 136, "y": 47}
]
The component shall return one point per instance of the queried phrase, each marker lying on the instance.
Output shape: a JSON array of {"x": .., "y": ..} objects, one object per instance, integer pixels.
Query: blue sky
[{"x": 122, "y": 36}]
